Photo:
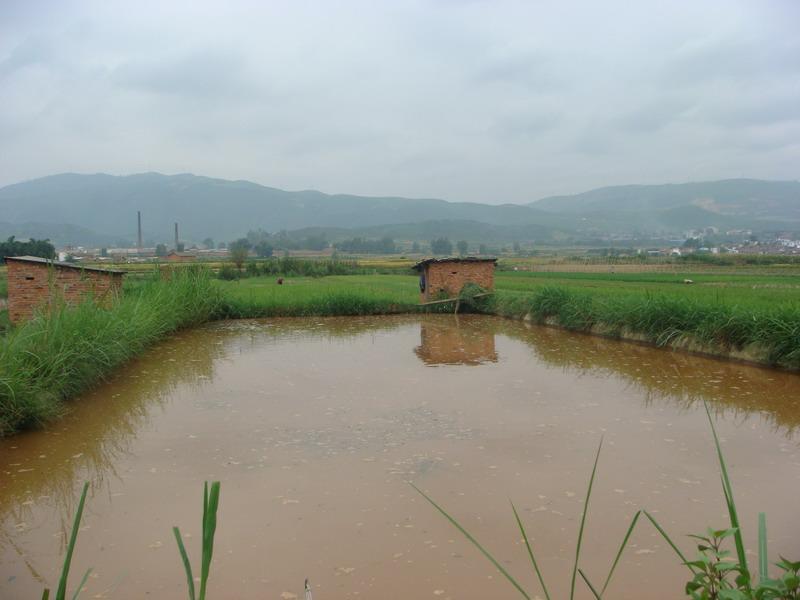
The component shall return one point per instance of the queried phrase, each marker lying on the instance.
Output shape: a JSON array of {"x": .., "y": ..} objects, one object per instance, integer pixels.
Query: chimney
[
  {"x": 176, "y": 237},
  {"x": 139, "y": 237}
]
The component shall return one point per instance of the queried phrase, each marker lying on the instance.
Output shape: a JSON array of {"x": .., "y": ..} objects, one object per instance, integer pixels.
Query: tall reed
[{"x": 66, "y": 350}]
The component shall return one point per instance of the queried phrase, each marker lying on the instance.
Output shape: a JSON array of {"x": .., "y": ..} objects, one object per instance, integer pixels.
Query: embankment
[
  {"x": 767, "y": 336},
  {"x": 61, "y": 354}
]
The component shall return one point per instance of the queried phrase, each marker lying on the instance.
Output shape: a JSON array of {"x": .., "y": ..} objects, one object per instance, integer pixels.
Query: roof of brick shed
[
  {"x": 61, "y": 265},
  {"x": 453, "y": 259}
]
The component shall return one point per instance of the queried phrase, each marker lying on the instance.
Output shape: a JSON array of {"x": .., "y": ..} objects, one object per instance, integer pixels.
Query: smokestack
[
  {"x": 176, "y": 237},
  {"x": 139, "y": 237}
]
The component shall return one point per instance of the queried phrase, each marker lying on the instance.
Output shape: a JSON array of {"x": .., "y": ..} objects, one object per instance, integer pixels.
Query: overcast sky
[{"x": 463, "y": 100}]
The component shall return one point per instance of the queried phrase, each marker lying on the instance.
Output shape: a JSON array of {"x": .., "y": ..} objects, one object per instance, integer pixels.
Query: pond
[{"x": 316, "y": 426}]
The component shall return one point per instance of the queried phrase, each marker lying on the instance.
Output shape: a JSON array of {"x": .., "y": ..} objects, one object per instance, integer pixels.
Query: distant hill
[
  {"x": 750, "y": 203},
  {"x": 226, "y": 209},
  {"x": 59, "y": 234},
  {"x": 101, "y": 210}
]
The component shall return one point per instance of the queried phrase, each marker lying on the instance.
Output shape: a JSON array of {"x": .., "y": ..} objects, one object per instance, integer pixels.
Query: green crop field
[{"x": 730, "y": 288}]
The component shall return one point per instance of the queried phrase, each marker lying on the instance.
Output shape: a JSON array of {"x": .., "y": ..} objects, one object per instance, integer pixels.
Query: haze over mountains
[{"x": 101, "y": 210}]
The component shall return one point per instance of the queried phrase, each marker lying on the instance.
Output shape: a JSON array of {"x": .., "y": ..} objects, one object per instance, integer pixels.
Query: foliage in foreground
[
  {"x": 210, "y": 505},
  {"x": 66, "y": 350},
  {"x": 716, "y": 575}
]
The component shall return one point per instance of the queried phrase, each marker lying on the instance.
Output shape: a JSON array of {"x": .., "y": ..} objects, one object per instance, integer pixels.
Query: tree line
[{"x": 14, "y": 247}]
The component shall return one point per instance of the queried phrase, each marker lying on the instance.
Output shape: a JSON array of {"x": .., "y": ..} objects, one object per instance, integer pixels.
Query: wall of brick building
[
  {"x": 450, "y": 277},
  {"x": 32, "y": 285}
]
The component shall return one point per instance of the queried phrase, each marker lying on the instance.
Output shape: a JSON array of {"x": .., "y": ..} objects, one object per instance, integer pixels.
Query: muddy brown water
[{"x": 315, "y": 426}]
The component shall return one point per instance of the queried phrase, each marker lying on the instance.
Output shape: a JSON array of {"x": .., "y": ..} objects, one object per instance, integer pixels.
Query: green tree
[
  {"x": 208, "y": 243},
  {"x": 40, "y": 248},
  {"x": 161, "y": 250},
  {"x": 463, "y": 247},
  {"x": 415, "y": 249},
  {"x": 441, "y": 246},
  {"x": 263, "y": 249},
  {"x": 239, "y": 250}
]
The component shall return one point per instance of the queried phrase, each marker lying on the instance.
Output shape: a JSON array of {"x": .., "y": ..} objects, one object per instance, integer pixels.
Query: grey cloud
[
  {"x": 653, "y": 115},
  {"x": 423, "y": 98},
  {"x": 201, "y": 74},
  {"x": 31, "y": 51}
]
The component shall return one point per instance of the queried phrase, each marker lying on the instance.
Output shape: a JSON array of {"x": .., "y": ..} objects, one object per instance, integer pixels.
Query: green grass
[
  {"x": 51, "y": 359},
  {"x": 3, "y": 283},
  {"x": 58, "y": 355},
  {"x": 327, "y": 296}
]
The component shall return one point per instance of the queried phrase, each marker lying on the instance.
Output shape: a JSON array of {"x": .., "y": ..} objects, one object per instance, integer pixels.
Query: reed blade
[
  {"x": 46, "y": 594},
  {"x": 583, "y": 521},
  {"x": 187, "y": 566},
  {"x": 475, "y": 542},
  {"x": 669, "y": 540},
  {"x": 763, "y": 558},
  {"x": 589, "y": 584},
  {"x": 210, "y": 505},
  {"x": 621, "y": 549},
  {"x": 530, "y": 552},
  {"x": 81, "y": 584},
  {"x": 732, "y": 512},
  {"x": 61, "y": 593}
]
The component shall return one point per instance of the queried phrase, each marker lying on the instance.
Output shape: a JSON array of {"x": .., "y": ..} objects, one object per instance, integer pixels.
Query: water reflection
[
  {"x": 345, "y": 399},
  {"x": 456, "y": 341},
  {"x": 48, "y": 466},
  {"x": 670, "y": 378}
]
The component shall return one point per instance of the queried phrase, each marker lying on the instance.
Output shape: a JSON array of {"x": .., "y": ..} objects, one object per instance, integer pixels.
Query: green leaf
[
  {"x": 81, "y": 584},
  {"x": 732, "y": 513},
  {"x": 530, "y": 552},
  {"x": 668, "y": 539},
  {"x": 583, "y": 521},
  {"x": 589, "y": 584},
  {"x": 621, "y": 549},
  {"x": 763, "y": 559},
  {"x": 61, "y": 593},
  {"x": 187, "y": 566},
  {"x": 210, "y": 505},
  {"x": 475, "y": 542}
]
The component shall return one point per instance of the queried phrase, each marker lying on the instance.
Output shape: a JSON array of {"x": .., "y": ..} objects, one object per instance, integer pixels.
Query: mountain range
[{"x": 101, "y": 209}]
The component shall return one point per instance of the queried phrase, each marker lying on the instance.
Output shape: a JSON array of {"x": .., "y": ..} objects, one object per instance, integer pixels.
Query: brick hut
[
  {"x": 447, "y": 276},
  {"x": 34, "y": 282}
]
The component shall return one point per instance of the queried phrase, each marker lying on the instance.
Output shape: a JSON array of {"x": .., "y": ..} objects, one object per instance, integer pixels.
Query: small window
[{"x": 29, "y": 277}]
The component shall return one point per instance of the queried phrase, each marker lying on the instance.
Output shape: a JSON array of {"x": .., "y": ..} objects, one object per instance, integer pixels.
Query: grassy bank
[
  {"x": 57, "y": 356},
  {"x": 53, "y": 358},
  {"x": 328, "y": 296}
]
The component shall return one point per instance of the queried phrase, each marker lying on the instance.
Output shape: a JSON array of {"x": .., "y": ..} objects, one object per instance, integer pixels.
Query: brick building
[
  {"x": 34, "y": 282},
  {"x": 175, "y": 256},
  {"x": 447, "y": 276}
]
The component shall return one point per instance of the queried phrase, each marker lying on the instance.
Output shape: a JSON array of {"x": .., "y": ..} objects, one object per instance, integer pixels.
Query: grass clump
[
  {"x": 210, "y": 505},
  {"x": 66, "y": 350},
  {"x": 665, "y": 319}
]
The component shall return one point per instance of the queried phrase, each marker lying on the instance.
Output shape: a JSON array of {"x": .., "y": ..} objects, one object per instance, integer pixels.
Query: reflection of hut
[
  {"x": 35, "y": 282},
  {"x": 455, "y": 343},
  {"x": 446, "y": 276}
]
